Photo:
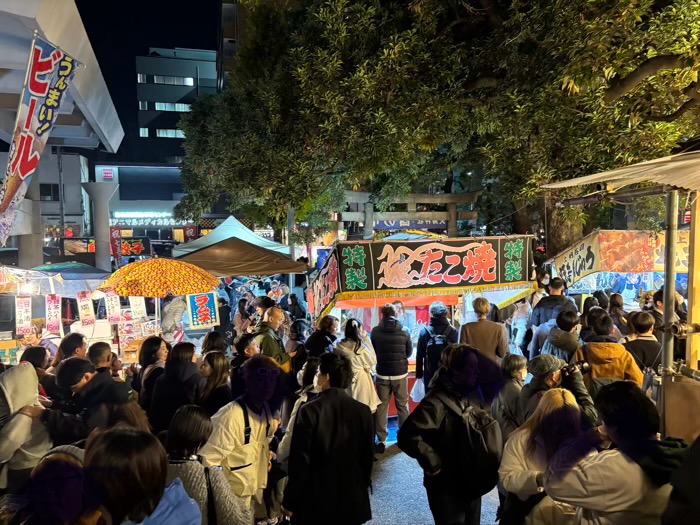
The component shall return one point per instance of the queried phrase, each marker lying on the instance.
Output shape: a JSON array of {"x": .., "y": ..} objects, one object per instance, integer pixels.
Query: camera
[{"x": 583, "y": 366}]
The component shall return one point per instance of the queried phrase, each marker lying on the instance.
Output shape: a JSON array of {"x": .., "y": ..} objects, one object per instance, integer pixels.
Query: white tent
[{"x": 230, "y": 228}]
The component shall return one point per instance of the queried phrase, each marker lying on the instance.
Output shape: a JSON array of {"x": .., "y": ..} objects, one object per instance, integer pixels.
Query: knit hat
[{"x": 543, "y": 365}]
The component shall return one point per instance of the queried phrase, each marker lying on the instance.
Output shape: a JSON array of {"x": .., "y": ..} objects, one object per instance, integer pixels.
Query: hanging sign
[
  {"x": 23, "y": 316},
  {"x": 115, "y": 241},
  {"x": 113, "y": 307},
  {"x": 203, "y": 309},
  {"x": 49, "y": 73},
  {"x": 138, "y": 307},
  {"x": 53, "y": 314},
  {"x": 86, "y": 310}
]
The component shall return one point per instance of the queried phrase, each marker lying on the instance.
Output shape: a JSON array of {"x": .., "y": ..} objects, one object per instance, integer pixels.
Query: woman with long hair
[
  {"x": 189, "y": 430},
  {"x": 179, "y": 385},
  {"x": 214, "y": 342},
  {"x": 127, "y": 471},
  {"x": 506, "y": 407},
  {"x": 618, "y": 314},
  {"x": 296, "y": 347},
  {"x": 241, "y": 319},
  {"x": 152, "y": 357},
  {"x": 357, "y": 347},
  {"x": 323, "y": 339},
  {"x": 215, "y": 369},
  {"x": 526, "y": 455},
  {"x": 588, "y": 303}
]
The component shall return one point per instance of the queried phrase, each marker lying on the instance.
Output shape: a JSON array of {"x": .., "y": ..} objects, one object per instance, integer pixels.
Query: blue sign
[
  {"x": 203, "y": 309},
  {"x": 410, "y": 225}
]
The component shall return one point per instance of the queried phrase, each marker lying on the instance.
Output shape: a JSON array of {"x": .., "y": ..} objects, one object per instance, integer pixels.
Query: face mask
[{"x": 545, "y": 281}]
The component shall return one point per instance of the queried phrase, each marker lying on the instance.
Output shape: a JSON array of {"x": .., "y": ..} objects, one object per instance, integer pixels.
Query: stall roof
[
  {"x": 233, "y": 256},
  {"x": 231, "y": 228}
]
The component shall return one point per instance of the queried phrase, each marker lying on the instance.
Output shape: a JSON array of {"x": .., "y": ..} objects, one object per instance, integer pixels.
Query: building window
[
  {"x": 143, "y": 105},
  {"x": 49, "y": 192},
  {"x": 170, "y": 133},
  {"x": 141, "y": 78},
  {"x": 174, "y": 81},
  {"x": 173, "y": 106},
  {"x": 143, "y": 132}
]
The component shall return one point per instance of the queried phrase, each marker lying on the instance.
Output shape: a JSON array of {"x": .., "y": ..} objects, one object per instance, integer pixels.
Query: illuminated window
[
  {"x": 143, "y": 105},
  {"x": 141, "y": 78},
  {"x": 174, "y": 81},
  {"x": 170, "y": 133},
  {"x": 173, "y": 106},
  {"x": 143, "y": 132}
]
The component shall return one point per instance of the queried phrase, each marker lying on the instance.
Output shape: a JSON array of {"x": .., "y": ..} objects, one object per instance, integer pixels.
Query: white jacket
[
  {"x": 245, "y": 465},
  {"x": 518, "y": 473},
  {"x": 609, "y": 489},
  {"x": 362, "y": 388},
  {"x": 23, "y": 440}
]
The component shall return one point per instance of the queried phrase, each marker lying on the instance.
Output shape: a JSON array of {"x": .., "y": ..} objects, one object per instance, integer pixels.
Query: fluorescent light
[{"x": 142, "y": 215}]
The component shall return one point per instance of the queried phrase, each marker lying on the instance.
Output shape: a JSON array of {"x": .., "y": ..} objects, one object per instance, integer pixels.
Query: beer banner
[
  {"x": 138, "y": 308},
  {"x": 23, "y": 316},
  {"x": 49, "y": 73},
  {"x": 204, "y": 310},
  {"x": 113, "y": 307},
  {"x": 86, "y": 310},
  {"x": 53, "y": 314}
]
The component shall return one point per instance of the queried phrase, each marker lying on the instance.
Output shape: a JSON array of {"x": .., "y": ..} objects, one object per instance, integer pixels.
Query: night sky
[{"x": 120, "y": 31}]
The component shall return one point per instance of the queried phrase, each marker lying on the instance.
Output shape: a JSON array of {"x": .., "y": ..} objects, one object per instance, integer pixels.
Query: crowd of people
[{"x": 284, "y": 423}]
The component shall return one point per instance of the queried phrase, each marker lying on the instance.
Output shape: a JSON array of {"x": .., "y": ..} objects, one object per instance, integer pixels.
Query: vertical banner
[
  {"x": 113, "y": 307},
  {"x": 204, "y": 310},
  {"x": 86, "y": 310},
  {"x": 53, "y": 314},
  {"x": 189, "y": 233},
  {"x": 115, "y": 242},
  {"x": 138, "y": 307},
  {"x": 23, "y": 316},
  {"x": 49, "y": 73}
]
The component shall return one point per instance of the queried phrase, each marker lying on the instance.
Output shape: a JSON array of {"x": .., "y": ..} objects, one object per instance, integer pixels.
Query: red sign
[
  {"x": 115, "y": 243},
  {"x": 189, "y": 233},
  {"x": 326, "y": 286},
  {"x": 107, "y": 174}
]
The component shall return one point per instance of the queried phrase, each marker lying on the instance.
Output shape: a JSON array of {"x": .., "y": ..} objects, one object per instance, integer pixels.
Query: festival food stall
[
  {"x": 628, "y": 262},
  {"x": 359, "y": 277}
]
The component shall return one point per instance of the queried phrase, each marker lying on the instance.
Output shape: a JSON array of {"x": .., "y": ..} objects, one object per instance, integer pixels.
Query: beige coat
[
  {"x": 490, "y": 340},
  {"x": 363, "y": 362}
]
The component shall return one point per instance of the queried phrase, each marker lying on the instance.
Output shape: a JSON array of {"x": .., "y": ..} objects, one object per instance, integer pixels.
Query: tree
[{"x": 390, "y": 95}]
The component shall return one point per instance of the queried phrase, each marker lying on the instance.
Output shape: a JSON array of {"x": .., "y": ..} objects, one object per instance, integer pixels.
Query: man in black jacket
[
  {"x": 91, "y": 391},
  {"x": 393, "y": 346},
  {"x": 440, "y": 330},
  {"x": 548, "y": 308},
  {"x": 332, "y": 452}
]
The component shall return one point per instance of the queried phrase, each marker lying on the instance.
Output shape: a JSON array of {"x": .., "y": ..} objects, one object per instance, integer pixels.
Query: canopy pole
[
  {"x": 692, "y": 343},
  {"x": 670, "y": 281},
  {"x": 291, "y": 222}
]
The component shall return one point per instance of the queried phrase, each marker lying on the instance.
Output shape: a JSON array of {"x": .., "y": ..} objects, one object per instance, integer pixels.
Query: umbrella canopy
[
  {"x": 234, "y": 256},
  {"x": 159, "y": 278},
  {"x": 73, "y": 271}
]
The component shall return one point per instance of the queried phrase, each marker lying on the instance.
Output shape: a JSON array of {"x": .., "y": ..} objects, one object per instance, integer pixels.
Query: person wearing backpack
[
  {"x": 489, "y": 339},
  {"x": 457, "y": 444},
  {"x": 432, "y": 341},
  {"x": 609, "y": 360}
]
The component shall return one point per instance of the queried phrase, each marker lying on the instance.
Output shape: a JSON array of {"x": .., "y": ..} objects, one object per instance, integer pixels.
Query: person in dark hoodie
[
  {"x": 547, "y": 373},
  {"x": 393, "y": 346},
  {"x": 91, "y": 392},
  {"x": 684, "y": 504},
  {"x": 322, "y": 340},
  {"x": 627, "y": 483},
  {"x": 181, "y": 384},
  {"x": 562, "y": 341},
  {"x": 440, "y": 332},
  {"x": 546, "y": 308},
  {"x": 433, "y": 435},
  {"x": 645, "y": 348}
]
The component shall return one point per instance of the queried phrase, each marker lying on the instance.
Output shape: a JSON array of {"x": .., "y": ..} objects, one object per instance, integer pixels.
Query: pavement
[{"x": 399, "y": 496}]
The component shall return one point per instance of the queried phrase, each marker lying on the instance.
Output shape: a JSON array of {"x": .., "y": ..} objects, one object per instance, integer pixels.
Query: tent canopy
[
  {"x": 73, "y": 271},
  {"x": 234, "y": 256},
  {"x": 231, "y": 228}
]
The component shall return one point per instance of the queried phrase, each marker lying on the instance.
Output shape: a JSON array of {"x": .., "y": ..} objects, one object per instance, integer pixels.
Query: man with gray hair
[{"x": 432, "y": 341}]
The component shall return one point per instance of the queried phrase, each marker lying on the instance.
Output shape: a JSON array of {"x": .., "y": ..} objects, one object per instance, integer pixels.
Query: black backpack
[
  {"x": 481, "y": 446},
  {"x": 433, "y": 350}
]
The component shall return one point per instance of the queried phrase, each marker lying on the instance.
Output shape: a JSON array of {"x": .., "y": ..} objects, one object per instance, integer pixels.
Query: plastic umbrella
[{"x": 159, "y": 278}]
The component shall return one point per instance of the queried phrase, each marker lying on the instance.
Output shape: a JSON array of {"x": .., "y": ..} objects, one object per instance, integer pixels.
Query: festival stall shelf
[
  {"x": 628, "y": 262},
  {"x": 358, "y": 278},
  {"x": 152, "y": 278}
]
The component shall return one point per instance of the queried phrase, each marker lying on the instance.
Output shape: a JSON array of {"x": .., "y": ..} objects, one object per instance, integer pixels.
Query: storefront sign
[
  {"x": 50, "y": 71},
  {"x": 580, "y": 260},
  {"x": 138, "y": 308},
  {"x": 113, "y": 307},
  {"x": 130, "y": 246},
  {"x": 23, "y": 316},
  {"x": 107, "y": 174},
  {"x": 86, "y": 309},
  {"x": 682, "y": 252},
  {"x": 53, "y": 314},
  {"x": 326, "y": 285},
  {"x": 410, "y": 225},
  {"x": 438, "y": 264},
  {"x": 203, "y": 309}
]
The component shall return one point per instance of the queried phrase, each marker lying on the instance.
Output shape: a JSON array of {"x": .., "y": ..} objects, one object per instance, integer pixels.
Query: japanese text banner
[
  {"x": 203, "y": 309},
  {"x": 50, "y": 72}
]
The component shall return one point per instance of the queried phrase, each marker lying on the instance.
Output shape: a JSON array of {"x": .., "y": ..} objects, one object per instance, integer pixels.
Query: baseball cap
[{"x": 543, "y": 365}]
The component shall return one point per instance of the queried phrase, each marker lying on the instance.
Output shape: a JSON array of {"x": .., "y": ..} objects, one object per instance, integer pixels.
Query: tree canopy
[{"x": 387, "y": 95}]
